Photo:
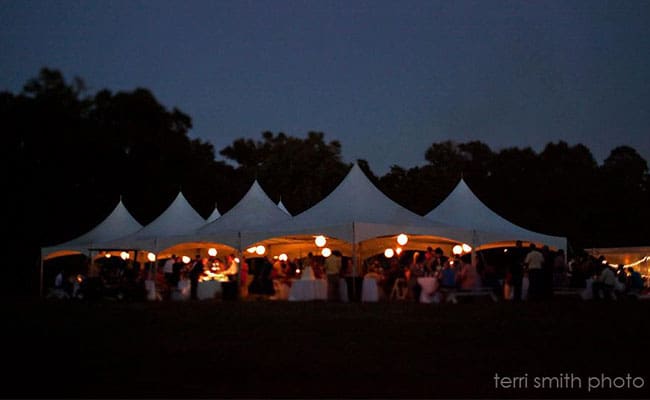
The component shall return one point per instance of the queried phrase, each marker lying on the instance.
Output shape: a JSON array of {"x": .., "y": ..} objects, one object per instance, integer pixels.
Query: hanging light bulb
[
  {"x": 467, "y": 248},
  {"x": 320, "y": 241},
  {"x": 151, "y": 257},
  {"x": 326, "y": 252},
  {"x": 252, "y": 249},
  {"x": 283, "y": 257},
  {"x": 398, "y": 251},
  {"x": 389, "y": 253},
  {"x": 212, "y": 252},
  {"x": 124, "y": 255},
  {"x": 186, "y": 259},
  {"x": 402, "y": 239},
  {"x": 260, "y": 250},
  {"x": 457, "y": 250}
]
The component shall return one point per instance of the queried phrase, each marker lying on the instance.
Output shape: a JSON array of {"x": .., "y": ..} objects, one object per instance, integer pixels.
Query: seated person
[
  {"x": 635, "y": 282},
  {"x": 603, "y": 284}
]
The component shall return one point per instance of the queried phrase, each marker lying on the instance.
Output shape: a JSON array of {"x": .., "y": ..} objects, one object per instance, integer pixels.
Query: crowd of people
[{"x": 521, "y": 274}]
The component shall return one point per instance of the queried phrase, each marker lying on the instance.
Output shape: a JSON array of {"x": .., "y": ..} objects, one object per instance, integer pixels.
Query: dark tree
[{"x": 300, "y": 172}]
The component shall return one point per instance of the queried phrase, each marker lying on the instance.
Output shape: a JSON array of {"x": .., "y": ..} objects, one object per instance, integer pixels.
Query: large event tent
[
  {"x": 464, "y": 209},
  {"x": 356, "y": 211},
  {"x": 118, "y": 223},
  {"x": 179, "y": 218},
  {"x": 253, "y": 216}
]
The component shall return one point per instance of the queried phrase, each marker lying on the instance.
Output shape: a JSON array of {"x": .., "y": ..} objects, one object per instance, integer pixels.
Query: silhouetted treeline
[{"x": 71, "y": 155}]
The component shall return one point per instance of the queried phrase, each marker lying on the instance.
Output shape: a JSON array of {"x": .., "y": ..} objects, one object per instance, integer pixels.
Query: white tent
[
  {"x": 119, "y": 222},
  {"x": 243, "y": 224},
  {"x": 356, "y": 211},
  {"x": 178, "y": 219},
  {"x": 283, "y": 208},
  {"x": 215, "y": 214},
  {"x": 463, "y": 209}
]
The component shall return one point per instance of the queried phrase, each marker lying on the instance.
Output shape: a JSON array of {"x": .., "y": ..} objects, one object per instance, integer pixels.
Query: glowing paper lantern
[
  {"x": 151, "y": 257},
  {"x": 260, "y": 250},
  {"x": 389, "y": 253},
  {"x": 320, "y": 241},
  {"x": 326, "y": 252},
  {"x": 124, "y": 255},
  {"x": 212, "y": 252},
  {"x": 398, "y": 251},
  {"x": 467, "y": 248},
  {"x": 457, "y": 250},
  {"x": 402, "y": 239},
  {"x": 186, "y": 259},
  {"x": 283, "y": 257}
]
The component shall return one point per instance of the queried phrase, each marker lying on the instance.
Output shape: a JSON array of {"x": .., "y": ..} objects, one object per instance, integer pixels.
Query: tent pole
[
  {"x": 240, "y": 254},
  {"x": 473, "y": 260},
  {"x": 354, "y": 263}
]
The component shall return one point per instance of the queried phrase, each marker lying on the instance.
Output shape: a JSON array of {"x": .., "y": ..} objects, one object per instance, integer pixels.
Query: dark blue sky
[{"x": 386, "y": 78}]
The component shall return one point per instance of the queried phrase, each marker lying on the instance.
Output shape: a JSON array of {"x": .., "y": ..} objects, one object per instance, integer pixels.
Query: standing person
[
  {"x": 168, "y": 272},
  {"x": 230, "y": 289},
  {"x": 534, "y": 262},
  {"x": 416, "y": 270},
  {"x": 195, "y": 272},
  {"x": 515, "y": 272},
  {"x": 332, "y": 271},
  {"x": 177, "y": 268}
]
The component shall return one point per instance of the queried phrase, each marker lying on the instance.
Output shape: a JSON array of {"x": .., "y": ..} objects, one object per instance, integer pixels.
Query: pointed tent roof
[
  {"x": 357, "y": 210},
  {"x": 215, "y": 214},
  {"x": 253, "y": 215},
  {"x": 118, "y": 223},
  {"x": 283, "y": 208},
  {"x": 464, "y": 209},
  {"x": 178, "y": 219}
]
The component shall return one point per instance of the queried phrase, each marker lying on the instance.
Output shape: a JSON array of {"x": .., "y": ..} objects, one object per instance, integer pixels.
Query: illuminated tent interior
[
  {"x": 354, "y": 213},
  {"x": 637, "y": 257},
  {"x": 464, "y": 209},
  {"x": 118, "y": 223}
]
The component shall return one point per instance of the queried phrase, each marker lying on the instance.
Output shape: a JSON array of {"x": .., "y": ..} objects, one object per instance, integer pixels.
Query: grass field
[{"x": 265, "y": 349}]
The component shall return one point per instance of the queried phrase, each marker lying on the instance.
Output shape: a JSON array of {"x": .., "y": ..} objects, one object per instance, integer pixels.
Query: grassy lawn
[{"x": 265, "y": 349}]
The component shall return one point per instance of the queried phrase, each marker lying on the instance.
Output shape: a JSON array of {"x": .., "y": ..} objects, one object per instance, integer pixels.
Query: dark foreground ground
[{"x": 264, "y": 349}]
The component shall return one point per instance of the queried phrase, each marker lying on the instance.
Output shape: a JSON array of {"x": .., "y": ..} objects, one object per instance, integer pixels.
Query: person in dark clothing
[
  {"x": 262, "y": 282},
  {"x": 177, "y": 267},
  {"x": 195, "y": 272},
  {"x": 515, "y": 271}
]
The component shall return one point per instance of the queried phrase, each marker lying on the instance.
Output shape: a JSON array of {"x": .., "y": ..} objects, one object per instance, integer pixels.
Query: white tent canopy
[
  {"x": 215, "y": 214},
  {"x": 251, "y": 218},
  {"x": 356, "y": 211},
  {"x": 463, "y": 209},
  {"x": 179, "y": 218},
  {"x": 118, "y": 223},
  {"x": 283, "y": 208}
]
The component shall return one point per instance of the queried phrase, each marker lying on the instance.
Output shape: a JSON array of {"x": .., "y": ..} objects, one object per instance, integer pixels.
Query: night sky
[{"x": 386, "y": 78}]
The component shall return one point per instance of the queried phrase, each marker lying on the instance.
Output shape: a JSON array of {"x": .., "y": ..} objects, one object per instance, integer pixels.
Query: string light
[{"x": 320, "y": 241}]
